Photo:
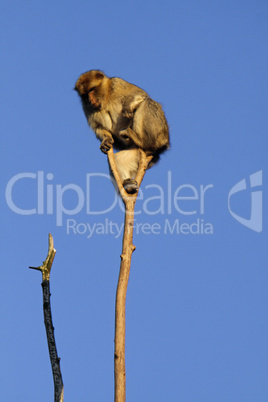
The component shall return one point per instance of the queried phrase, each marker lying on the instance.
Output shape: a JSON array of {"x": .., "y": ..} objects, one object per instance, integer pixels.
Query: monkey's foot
[
  {"x": 106, "y": 145},
  {"x": 131, "y": 186},
  {"x": 124, "y": 134}
]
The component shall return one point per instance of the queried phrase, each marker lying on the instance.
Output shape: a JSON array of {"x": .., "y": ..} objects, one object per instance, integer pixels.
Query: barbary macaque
[{"x": 123, "y": 115}]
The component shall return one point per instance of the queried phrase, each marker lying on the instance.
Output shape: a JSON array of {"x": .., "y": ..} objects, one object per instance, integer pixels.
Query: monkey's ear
[{"x": 99, "y": 75}]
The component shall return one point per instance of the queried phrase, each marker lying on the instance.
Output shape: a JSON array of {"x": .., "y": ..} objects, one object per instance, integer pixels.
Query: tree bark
[
  {"x": 54, "y": 359},
  {"x": 120, "y": 305}
]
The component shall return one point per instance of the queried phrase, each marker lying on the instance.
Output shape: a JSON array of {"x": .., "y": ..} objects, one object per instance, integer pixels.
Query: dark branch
[{"x": 45, "y": 268}]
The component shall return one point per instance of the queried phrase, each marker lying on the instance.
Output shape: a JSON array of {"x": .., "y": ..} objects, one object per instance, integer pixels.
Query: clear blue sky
[{"x": 197, "y": 298}]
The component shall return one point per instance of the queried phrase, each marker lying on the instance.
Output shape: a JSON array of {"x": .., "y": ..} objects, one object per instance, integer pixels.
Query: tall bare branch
[
  {"x": 45, "y": 268},
  {"x": 121, "y": 292}
]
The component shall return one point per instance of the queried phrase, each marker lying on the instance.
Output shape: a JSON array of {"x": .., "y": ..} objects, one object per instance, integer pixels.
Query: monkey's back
[
  {"x": 150, "y": 123},
  {"x": 121, "y": 89}
]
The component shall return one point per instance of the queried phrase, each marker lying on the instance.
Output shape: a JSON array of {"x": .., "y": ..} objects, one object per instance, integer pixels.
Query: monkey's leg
[{"x": 130, "y": 105}]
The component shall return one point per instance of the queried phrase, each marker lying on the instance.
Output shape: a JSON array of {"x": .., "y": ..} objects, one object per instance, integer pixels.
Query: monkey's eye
[{"x": 91, "y": 89}]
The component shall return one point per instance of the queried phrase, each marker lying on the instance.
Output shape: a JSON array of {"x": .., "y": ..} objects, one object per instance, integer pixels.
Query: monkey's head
[{"x": 91, "y": 87}]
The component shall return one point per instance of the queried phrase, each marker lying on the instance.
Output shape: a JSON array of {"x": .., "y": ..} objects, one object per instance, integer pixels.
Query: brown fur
[{"x": 124, "y": 115}]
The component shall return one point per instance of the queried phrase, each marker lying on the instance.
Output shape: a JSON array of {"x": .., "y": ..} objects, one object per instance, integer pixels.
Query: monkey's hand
[
  {"x": 106, "y": 144},
  {"x": 128, "y": 114},
  {"x": 131, "y": 186}
]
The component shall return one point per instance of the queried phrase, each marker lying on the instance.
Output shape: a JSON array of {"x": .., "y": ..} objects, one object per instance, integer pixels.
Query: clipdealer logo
[
  {"x": 255, "y": 220},
  {"x": 186, "y": 200}
]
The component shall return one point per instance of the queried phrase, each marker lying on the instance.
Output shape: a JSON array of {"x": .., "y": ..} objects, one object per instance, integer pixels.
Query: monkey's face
[
  {"x": 94, "y": 99},
  {"x": 89, "y": 86}
]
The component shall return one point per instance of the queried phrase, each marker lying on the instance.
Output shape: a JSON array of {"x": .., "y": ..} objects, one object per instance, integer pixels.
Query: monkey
[{"x": 124, "y": 116}]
